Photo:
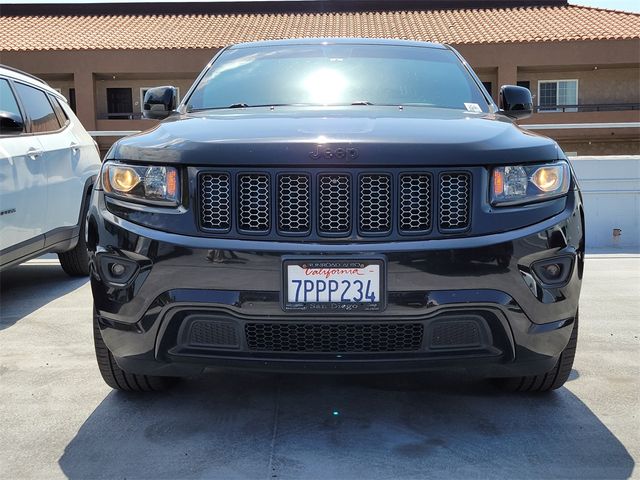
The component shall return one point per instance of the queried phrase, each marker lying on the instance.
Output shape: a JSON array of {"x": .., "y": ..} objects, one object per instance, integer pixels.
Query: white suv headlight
[
  {"x": 146, "y": 183},
  {"x": 512, "y": 185}
]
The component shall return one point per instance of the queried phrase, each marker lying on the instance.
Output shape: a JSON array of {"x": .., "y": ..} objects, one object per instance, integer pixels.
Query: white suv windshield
[{"x": 337, "y": 75}]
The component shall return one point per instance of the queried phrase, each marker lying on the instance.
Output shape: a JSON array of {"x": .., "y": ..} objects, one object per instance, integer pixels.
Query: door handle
[
  {"x": 74, "y": 147},
  {"x": 34, "y": 153}
]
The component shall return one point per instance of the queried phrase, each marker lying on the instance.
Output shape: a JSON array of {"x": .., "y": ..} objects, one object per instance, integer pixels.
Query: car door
[
  {"x": 66, "y": 173},
  {"x": 59, "y": 148},
  {"x": 23, "y": 183}
]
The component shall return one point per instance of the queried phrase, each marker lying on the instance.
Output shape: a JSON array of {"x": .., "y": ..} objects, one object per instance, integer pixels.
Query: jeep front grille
[
  {"x": 454, "y": 200},
  {"x": 317, "y": 204},
  {"x": 215, "y": 201},
  {"x": 294, "y": 201},
  {"x": 254, "y": 197},
  {"x": 334, "y": 204},
  {"x": 375, "y": 203},
  {"x": 415, "y": 202}
]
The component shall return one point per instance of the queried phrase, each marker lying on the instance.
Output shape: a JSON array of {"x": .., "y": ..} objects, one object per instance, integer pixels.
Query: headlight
[
  {"x": 529, "y": 183},
  {"x": 145, "y": 183}
]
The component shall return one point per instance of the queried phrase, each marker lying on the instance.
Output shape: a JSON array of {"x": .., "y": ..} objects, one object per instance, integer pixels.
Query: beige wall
[
  {"x": 101, "y": 86},
  {"x": 63, "y": 85},
  {"x": 602, "y": 147},
  {"x": 489, "y": 75},
  {"x": 604, "y": 85}
]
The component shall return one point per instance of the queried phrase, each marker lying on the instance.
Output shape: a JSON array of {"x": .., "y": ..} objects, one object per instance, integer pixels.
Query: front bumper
[{"x": 481, "y": 291}]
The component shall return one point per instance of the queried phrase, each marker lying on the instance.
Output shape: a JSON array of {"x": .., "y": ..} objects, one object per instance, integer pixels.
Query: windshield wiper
[{"x": 246, "y": 105}]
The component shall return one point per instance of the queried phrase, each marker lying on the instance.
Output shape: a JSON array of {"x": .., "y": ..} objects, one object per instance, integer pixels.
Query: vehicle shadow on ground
[
  {"x": 30, "y": 286},
  {"x": 243, "y": 425}
]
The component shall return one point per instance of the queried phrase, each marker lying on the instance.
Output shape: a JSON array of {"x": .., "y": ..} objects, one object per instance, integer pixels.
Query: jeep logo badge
[{"x": 339, "y": 153}]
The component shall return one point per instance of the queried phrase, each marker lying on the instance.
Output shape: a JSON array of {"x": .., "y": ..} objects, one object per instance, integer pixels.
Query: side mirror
[
  {"x": 159, "y": 102},
  {"x": 516, "y": 102},
  {"x": 10, "y": 123}
]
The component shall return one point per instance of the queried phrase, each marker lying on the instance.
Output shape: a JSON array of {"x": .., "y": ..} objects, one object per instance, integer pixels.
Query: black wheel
[
  {"x": 554, "y": 378},
  {"x": 75, "y": 262},
  {"x": 117, "y": 378}
]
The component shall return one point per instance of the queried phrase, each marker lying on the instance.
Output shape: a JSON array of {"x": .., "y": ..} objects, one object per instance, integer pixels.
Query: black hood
[{"x": 354, "y": 135}]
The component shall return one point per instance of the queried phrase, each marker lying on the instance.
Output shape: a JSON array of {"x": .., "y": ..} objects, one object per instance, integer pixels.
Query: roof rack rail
[{"x": 26, "y": 74}]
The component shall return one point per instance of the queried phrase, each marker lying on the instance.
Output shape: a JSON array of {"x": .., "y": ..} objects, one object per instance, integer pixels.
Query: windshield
[{"x": 337, "y": 75}]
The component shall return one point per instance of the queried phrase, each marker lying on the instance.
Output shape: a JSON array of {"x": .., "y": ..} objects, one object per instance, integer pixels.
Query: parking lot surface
[{"x": 58, "y": 419}]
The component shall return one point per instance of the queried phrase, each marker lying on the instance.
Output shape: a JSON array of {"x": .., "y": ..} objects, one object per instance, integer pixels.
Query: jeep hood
[{"x": 294, "y": 136}]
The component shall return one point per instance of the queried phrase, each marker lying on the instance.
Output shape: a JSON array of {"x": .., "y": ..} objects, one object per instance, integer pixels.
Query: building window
[
  {"x": 554, "y": 95},
  {"x": 119, "y": 103},
  {"x": 524, "y": 83},
  {"x": 488, "y": 87},
  {"x": 72, "y": 99}
]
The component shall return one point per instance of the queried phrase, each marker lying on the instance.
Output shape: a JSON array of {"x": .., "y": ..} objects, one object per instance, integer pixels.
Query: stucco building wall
[{"x": 597, "y": 85}]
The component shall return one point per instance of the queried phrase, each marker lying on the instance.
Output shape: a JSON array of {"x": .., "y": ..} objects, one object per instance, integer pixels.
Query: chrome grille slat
[
  {"x": 375, "y": 203},
  {"x": 254, "y": 202},
  {"x": 334, "y": 203},
  {"x": 415, "y": 202},
  {"x": 455, "y": 189},
  {"x": 294, "y": 203},
  {"x": 215, "y": 201}
]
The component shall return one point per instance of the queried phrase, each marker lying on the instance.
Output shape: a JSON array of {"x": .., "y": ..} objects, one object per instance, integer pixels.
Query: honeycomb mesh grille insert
[
  {"x": 375, "y": 203},
  {"x": 455, "y": 334},
  {"x": 254, "y": 200},
  {"x": 455, "y": 191},
  {"x": 334, "y": 204},
  {"x": 415, "y": 202},
  {"x": 215, "y": 201},
  {"x": 334, "y": 337},
  {"x": 353, "y": 204},
  {"x": 211, "y": 333},
  {"x": 294, "y": 203}
]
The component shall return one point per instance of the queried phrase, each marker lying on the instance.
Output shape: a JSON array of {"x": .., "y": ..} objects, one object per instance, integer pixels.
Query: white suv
[{"x": 48, "y": 164}]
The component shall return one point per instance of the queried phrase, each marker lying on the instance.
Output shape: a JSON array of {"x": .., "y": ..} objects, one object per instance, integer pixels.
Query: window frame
[
  {"x": 26, "y": 115},
  {"x": 64, "y": 120},
  {"x": 23, "y": 113},
  {"x": 557, "y": 82}
]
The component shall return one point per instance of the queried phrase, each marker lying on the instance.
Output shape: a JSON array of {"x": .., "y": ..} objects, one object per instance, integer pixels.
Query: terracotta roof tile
[{"x": 472, "y": 26}]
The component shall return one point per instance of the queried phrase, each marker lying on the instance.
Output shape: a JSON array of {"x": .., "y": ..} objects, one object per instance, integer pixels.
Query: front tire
[
  {"x": 117, "y": 378},
  {"x": 554, "y": 378},
  {"x": 75, "y": 262}
]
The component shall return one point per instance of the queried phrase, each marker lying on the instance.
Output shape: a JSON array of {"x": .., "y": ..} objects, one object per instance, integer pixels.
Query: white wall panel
[{"x": 611, "y": 189}]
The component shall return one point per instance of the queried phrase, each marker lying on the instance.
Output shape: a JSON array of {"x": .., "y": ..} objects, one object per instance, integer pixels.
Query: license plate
[{"x": 333, "y": 285}]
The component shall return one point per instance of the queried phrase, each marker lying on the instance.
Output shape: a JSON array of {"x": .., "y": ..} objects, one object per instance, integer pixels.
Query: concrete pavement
[{"x": 58, "y": 419}]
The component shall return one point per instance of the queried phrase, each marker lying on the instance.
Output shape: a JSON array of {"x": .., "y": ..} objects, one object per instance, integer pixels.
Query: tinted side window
[
  {"x": 43, "y": 118},
  {"x": 62, "y": 116},
  {"x": 8, "y": 101}
]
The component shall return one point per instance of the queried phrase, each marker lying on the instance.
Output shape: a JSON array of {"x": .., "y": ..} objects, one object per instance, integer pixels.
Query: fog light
[
  {"x": 552, "y": 271},
  {"x": 117, "y": 269}
]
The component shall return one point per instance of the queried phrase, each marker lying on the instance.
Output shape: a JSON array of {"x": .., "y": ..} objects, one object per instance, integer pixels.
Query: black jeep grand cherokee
[{"x": 336, "y": 206}]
